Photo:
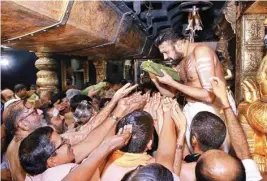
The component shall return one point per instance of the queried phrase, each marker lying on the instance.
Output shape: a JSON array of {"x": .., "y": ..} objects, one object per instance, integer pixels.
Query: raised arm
[
  {"x": 83, "y": 149},
  {"x": 167, "y": 138},
  {"x": 86, "y": 170},
  {"x": 77, "y": 137},
  {"x": 180, "y": 122},
  {"x": 237, "y": 135}
]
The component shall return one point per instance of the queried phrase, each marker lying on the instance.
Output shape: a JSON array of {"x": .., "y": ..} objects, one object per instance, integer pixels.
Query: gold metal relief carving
[
  {"x": 100, "y": 66},
  {"x": 253, "y": 115},
  {"x": 86, "y": 71},
  {"x": 239, "y": 31},
  {"x": 63, "y": 74},
  {"x": 46, "y": 77},
  {"x": 251, "y": 59},
  {"x": 46, "y": 63},
  {"x": 249, "y": 48},
  {"x": 254, "y": 29}
]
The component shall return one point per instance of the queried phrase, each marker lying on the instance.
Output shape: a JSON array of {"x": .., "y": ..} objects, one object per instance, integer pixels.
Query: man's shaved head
[
  {"x": 7, "y": 95},
  {"x": 216, "y": 165}
]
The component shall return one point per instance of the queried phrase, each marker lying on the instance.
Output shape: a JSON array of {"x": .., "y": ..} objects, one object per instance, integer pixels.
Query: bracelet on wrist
[{"x": 116, "y": 118}]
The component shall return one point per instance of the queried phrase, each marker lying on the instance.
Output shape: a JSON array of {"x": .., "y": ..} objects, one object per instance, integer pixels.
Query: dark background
[{"x": 21, "y": 68}]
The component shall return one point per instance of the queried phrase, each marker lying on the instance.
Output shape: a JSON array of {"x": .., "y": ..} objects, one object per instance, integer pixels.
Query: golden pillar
[
  {"x": 101, "y": 69},
  {"x": 46, "y": 77},
  {"x": 63, "y": 73},
  {"x": 249, "y": 48},
  {"x": 86, "y": 71}
]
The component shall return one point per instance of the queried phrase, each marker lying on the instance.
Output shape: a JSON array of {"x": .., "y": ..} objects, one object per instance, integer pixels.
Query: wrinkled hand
[
  {"x": 219, "y": 89},
  {"x": 152, "y": 105},
  {"x": 130, "y": 104},
  {"x": 156, "y": 102},
  {"x": 166, "y": 79},
  {"x": 160, "y": 118},
  {"x": 120, "y": 139},
  {"x": 147, "y": 107},
  {"x": 122, "y": 92},
  {"x": 167, "y": 104},
  {"x": 250, "y": 90},
  {"x": 178, "y": 117},
  {"x": 136, "y": 102}
]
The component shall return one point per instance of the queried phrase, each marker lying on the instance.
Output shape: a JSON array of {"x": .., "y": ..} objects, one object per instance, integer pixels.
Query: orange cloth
[{"x": 123, "y": 159}]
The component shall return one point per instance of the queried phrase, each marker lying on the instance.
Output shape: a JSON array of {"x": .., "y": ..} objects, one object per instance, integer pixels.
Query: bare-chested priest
[{"x": 196, "y": 63}]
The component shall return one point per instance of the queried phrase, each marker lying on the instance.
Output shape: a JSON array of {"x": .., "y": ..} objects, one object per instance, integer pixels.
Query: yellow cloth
[{"x": 123, "y": 159}]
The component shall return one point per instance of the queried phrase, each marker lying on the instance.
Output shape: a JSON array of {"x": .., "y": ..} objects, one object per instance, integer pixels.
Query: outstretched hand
[
  {"x": 167, "y": 104},
  {"x": 178, "y": 117},
  {"x": 129, "y": 104},
  {"x": 156, "y": 102},
  {"x": 122, "y": 92},
  {"x": 153, "y": 105}
]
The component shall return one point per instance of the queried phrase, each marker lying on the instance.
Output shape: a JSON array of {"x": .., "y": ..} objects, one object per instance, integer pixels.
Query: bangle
[{"x": 116, "y": 118}]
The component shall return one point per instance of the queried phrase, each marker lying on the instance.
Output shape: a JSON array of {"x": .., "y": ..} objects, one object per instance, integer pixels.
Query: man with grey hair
[{"x": 20, "y": 121}]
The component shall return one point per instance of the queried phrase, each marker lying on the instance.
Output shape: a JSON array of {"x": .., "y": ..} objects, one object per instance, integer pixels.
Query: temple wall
[{"x": 249, "y": 48}]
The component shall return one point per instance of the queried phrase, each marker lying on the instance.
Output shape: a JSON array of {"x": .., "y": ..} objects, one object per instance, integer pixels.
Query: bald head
[
  {"x": 216, "y": 165},
  {"x": 7, "y": 95}
]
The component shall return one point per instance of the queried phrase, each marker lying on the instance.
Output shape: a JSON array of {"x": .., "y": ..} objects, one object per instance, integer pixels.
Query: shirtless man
[
  {"x": 196, "y": 63},
  {"x": 19, "y": 122}
]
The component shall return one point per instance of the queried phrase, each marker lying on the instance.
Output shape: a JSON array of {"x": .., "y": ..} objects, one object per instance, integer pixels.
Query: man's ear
[
  {"x": 194, "y": 141},
  {"x": 23, "y": 125},
  {"x": 149, "y": 145},
  {"x": 51, "y": 162}
]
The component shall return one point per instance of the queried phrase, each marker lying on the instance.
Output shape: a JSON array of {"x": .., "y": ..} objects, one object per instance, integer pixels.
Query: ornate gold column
[
  {"x": 86, "y": 71},
  {"x": 63, "y": 72},
  {"x": 249, "y": 48},
  {"x": 46, "y": 77},
  {"x": 101, "y": 70}
]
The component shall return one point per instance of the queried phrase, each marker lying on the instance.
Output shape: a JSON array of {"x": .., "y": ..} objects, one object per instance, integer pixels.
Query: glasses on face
[
  {"x": 26, "y": 109},
  {"x": 63, "y": 142}
]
